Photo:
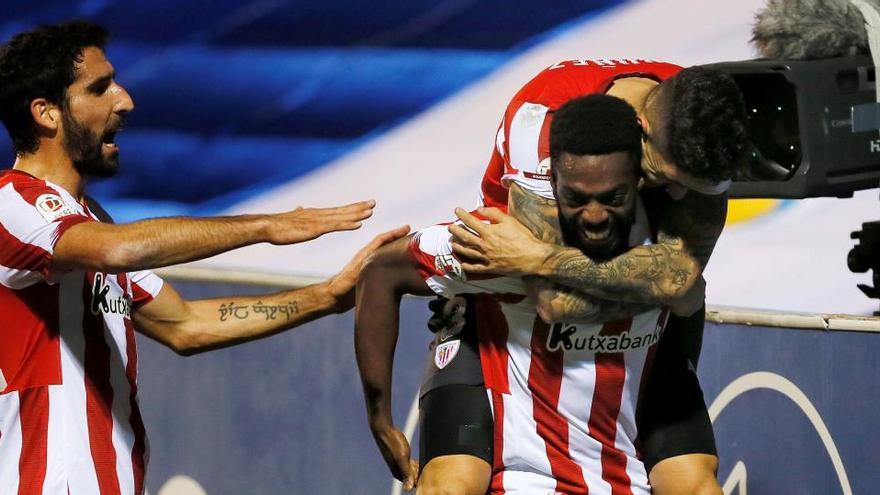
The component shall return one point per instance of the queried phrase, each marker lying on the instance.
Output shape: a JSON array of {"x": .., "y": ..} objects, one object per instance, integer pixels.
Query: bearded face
[{"x": 93, "y": 155}]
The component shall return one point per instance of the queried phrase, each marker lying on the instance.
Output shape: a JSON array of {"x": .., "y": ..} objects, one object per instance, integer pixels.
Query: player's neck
[
  {"x": 633, "y": 90},
  {"x": 52, "y": 164}
]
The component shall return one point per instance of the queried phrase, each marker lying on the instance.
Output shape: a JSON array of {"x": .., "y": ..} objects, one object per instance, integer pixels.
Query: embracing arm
[
  {"x": 190, "y": 327},
  {"x": 387, "y": 276},
  {"x": 554, "y": 302},
  {"x": 659, "y": 273},
  {"x": 115, "y": 248},
  {"x": 656, "y": 274}
]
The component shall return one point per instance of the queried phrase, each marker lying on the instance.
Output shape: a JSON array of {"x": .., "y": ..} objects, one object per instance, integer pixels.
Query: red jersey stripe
[
  {"x": 22, "y": 256},
  {"x": 545, "y": 383},
  {"x": 139, "y": 295},
  {"x": 544, "y": 137},
  {"x": 99, "y": 396},
  {"x": 34, "y": 411},
  {"x": 497, "y": 486},
  {"x": 492, "y": 332},
  {"x": 602, "y": 425},
  {"x": 138, "y": 451}
]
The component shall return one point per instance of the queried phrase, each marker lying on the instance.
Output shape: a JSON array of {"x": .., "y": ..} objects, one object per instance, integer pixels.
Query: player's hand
[
  {"x": 448, "y": 316},
  {"x": 502, "y": 247},
  {"x": 691, "y": 302},
  {"x": 305, "y": 224},
  {"x": 341, "y": 286},
  {"x": 395, "y": 449}
]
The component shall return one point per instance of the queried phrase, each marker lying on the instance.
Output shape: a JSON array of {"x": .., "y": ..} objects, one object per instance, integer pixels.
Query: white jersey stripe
[
  {"x": 80, "y": 468},
  {"x": 523, "y": 143},
  {"x": 123, "y": 437},
  {"x": 56, "y": 445},
  {"x": 576, "y": 402},
  {"x": 19, "y": 279},
  {"x": 10, "y": 441},
  {"x": 22, "y": 218}
]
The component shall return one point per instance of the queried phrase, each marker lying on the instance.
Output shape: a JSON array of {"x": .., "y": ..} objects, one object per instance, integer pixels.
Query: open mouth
[
  {"x": 109, "y": 140},
  {"x": 597, "y": 235}
]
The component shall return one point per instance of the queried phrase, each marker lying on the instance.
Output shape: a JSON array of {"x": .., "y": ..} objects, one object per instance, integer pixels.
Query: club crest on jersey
[
  {"x": 445, "y": 353},
  {"x": 101, "y": 303},
  {"x": 544, "y": 167},
  {"x": 52, "y": 207},
  {"x": 447, "y": 264}
]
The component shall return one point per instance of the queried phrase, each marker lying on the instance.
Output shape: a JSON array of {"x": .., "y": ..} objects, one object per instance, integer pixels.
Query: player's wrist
[{"x": 538, "y": 262}]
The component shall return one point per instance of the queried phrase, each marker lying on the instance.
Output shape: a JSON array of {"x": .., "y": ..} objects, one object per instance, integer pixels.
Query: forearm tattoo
[
  {"x": 646, "y": 274},
  {"x": 651, "y": 274},
  {"x": 537, "y": 213},
  {"x": 268, "y": 311},
  {"x": 573, "y": 307}
]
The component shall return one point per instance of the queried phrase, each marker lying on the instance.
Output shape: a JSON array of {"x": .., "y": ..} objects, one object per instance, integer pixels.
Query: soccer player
[
  {"x": 694, "y": 140},
  {"x": 564, "y": 396},
  {"x": 700, "y": 110},
  {"x": 74, "y": 289}
]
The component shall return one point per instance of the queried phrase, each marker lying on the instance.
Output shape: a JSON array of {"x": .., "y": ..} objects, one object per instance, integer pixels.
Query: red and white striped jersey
[
  {"x": 564, "y": 396},
  {"x": 69, "y": 417},
  {"x": 522, "y": 144}
]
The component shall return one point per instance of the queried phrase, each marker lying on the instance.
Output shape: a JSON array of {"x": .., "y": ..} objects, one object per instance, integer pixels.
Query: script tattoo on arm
[
  {"x": 269, "y": 311},
  {"x": 653, "y": 274}
]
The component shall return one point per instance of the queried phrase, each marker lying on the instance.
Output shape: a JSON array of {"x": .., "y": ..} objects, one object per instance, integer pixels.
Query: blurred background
[{"x": 265, "y": 105}]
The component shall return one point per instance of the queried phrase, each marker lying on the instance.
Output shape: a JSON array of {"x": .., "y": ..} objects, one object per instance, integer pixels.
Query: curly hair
[
  {"x": 702, "y": 123},
  {"x": 41, "y": 63},
  {"x": 596, "y": 124}
]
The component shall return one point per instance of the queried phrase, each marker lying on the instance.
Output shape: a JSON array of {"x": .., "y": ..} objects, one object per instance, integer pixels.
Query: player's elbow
[
  {"x": 682, "y": 279},
  {"x": 184, "y": 338},
  {"x": 184, "y": 344},
  {"x": 116, "y": 257}
]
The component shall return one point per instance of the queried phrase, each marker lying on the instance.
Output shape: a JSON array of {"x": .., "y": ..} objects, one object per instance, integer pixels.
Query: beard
[
  {"x": 85, "y": 149},
  {"x": 616, "y": 244}
]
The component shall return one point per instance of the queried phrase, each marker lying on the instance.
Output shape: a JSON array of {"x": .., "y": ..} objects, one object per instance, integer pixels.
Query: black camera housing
[{"x": 806, "y": 141}]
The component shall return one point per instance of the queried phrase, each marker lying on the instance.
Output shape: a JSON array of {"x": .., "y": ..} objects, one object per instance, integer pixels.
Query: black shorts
[
  {"x": 455, "y": 420},
  {"x": 672, "y": 418}
]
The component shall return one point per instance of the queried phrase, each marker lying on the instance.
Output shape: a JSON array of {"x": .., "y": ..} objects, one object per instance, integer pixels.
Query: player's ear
[
  {"x": 46, "y": 114},
  {"x": 645, "y": 126}
]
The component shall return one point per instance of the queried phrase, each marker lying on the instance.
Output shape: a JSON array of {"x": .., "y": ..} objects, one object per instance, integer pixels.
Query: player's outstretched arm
[
  {"x": 190, "y": 327},
  {"x": 387, "y": 276},
  {"x": 656, "y": 274},
  {"x": 115, "y": 248}
]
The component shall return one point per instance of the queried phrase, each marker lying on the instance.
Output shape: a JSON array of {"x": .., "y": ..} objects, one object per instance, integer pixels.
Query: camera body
[{"x": 815, "y": 126}]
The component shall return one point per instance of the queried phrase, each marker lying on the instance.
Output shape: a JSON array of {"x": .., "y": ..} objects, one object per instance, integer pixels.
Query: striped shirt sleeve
[{"x": 33, "y": 216}]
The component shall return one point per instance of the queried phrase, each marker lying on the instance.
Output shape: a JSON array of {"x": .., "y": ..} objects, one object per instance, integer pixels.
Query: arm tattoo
[
  {"x": 653, "y": 274},
  {"x": 269, "y": 311},
  {"x": 572, "y": 307},
  {"x": 537, "y": 213}
]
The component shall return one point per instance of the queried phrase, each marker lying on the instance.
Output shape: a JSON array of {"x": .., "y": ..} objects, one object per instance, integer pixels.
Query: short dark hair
[
  {"x": 596, "y": 124},
  {"x": 41, "y": 64},
  {"x": 702, "y": 123}
]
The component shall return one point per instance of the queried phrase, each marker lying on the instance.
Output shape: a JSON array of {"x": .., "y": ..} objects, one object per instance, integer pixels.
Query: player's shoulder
[
  {"x": 22, "y": 191},
  {"x": 569, "y": 79}
]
